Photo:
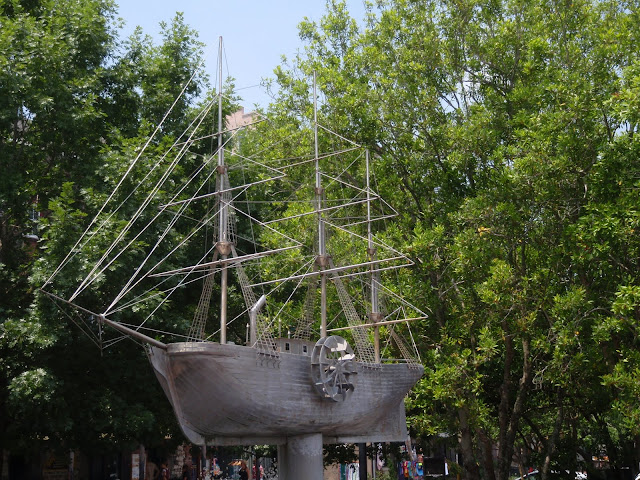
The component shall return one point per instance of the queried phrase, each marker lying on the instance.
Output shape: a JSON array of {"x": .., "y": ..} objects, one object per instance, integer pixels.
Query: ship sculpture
[{"x": 330, "y": 373}]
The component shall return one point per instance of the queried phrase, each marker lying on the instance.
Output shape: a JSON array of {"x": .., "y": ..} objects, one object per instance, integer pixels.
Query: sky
[{"x": 255, "y": 33}]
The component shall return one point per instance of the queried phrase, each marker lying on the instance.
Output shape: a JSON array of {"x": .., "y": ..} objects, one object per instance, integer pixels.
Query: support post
[
  {"x": 203, "y": 458},
  {"x": 143, "y": 462},
  {"x": 283, "y": 461},
  {"x": 362, "y": 459},
  {"x": 301, "y": 458}
]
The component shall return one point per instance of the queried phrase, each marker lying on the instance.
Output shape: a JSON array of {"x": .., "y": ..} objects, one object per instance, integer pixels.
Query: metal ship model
[{"x": 343, "y": 365}]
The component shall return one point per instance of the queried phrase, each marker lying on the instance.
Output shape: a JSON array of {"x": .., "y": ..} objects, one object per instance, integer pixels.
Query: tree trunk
[
  {"x": 466, "y": 445},
  {"x": 503, "y": 408},
  {"x": 636, "y": 456},
  {"x": 510, "y": 417},
  {"x": 487, "y": 455},
  {"x": 553, "y": 440}
]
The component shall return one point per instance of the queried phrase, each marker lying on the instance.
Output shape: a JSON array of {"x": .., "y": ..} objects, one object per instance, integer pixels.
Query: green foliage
[
  {"x": 76, "y": 105},
  {"x": 506, "y": 139},
  {"x": 505, "y": 134}
]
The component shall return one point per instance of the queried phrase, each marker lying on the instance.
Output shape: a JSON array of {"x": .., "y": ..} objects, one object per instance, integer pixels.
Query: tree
[
  {"x": 74, "y": 111},
  {"x": 50, "y": 128},
  {"x": 501, "y": 123}
]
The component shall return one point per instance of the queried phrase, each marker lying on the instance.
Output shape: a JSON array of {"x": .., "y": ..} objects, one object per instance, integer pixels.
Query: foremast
[
  {"x": 223, "y": 245},
  {"x": 224, "y": 251},
  {"x": 223, "y": 237}
]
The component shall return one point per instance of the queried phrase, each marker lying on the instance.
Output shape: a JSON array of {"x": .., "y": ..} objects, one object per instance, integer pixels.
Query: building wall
[{"x": 240, "y": 119}]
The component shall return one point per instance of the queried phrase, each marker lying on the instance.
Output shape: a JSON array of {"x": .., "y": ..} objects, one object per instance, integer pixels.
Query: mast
[
  {"x": 374, "y": 316},
  {"x": 321, "y": 258},
  {"x": 223, "y": 245}
]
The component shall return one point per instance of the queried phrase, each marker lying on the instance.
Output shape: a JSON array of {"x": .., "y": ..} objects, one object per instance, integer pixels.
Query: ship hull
[{"x": 232, "y": 394}]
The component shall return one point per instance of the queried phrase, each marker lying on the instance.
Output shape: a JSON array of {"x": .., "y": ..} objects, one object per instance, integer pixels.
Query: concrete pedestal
[{"x": 301, "y": 458}]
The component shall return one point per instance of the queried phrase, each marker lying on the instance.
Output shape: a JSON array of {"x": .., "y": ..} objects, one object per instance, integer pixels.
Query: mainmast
[
  {"x": 374, "y": 316},
  {"x": 321, "y": 258}
]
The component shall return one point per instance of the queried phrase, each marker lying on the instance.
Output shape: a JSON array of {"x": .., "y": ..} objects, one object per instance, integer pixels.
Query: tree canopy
[
  {"x": 76, "y": 105},
  {"x": 505, "y": 137}
]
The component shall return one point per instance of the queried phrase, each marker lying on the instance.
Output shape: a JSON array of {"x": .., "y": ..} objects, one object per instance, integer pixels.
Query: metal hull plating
[{"x": 232, "y": 394}]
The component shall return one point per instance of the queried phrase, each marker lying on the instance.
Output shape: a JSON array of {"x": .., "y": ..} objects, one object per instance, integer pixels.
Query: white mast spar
[
  {"x": 375, "y": 316},
  {"x": 223, "y": 245},
  {"x": 321, "y": 259}
]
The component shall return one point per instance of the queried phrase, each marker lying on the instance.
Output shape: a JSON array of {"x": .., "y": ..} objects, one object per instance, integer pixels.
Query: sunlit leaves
[{"x": 507, "y": 135}]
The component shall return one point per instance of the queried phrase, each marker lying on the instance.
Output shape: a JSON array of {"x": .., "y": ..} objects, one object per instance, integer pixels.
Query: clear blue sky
[{"x": 256, "y": 33}]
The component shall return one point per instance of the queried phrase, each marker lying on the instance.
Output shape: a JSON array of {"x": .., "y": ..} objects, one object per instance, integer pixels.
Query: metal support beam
[
  {"x": 301, "y": 458},
  {"x": 362, "y": 459}
]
